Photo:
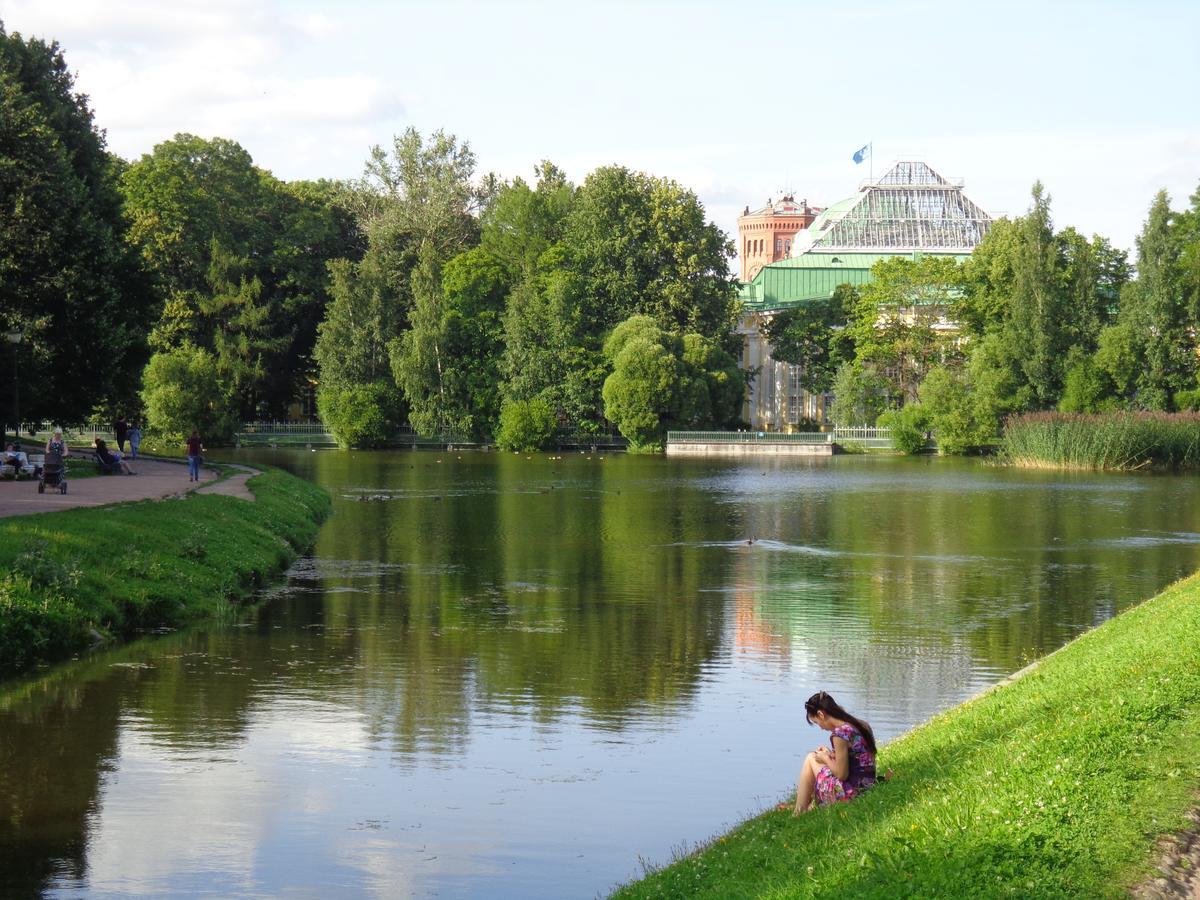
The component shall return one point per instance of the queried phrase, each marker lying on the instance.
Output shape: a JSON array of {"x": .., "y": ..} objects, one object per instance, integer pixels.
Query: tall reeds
[{"x": 1124, "y": 440}]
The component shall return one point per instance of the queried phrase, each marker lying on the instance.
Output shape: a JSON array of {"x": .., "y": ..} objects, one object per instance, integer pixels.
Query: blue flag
[{"x": 862, "y": 153}]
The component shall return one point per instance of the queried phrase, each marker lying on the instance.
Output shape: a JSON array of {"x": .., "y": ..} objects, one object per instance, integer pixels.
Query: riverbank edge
[
  {"x": 1063, "y": 780},
  {"x": 80, "y": 577}
]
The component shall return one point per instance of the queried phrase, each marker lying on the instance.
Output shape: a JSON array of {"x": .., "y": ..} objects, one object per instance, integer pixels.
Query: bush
[
  {"x": 525, "y": 425},
  {"x": 360, "y": 415},
  {"x": 182, "y": 389},
  {"x": 908, "y": 425}
]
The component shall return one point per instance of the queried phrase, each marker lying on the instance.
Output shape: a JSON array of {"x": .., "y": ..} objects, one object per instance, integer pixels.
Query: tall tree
[
  {"x": 1156, "y": 311},
  {"x": 240, "y": 260},
  {"x": 67, "y": 281},
  {"x": 641, "y": 245}
]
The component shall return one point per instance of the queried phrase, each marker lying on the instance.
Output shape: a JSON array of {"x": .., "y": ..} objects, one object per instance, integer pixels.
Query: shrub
[
  {"x": 908, "y": 425},
  {"x": 360, "y": 415},
  {"x": 182, "y": 389},
  {"x": 525, "y": 424}
]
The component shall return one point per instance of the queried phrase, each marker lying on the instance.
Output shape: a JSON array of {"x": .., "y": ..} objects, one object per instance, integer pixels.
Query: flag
[{"x": 862, "y": 153}]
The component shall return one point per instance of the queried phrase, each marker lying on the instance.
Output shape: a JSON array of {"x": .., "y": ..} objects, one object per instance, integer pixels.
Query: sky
[{"x": 738, "y": 102}]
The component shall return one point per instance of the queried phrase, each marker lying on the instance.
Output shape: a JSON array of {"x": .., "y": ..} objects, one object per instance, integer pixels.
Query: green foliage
[
  {"x": 1031, "y": 296},
  {"x": 525, "y": 425},
  {"x": 183, "y": 389},
  {"x": 448, "y": 362},
  {"x": 908, "y": 426},
  {"x": 392, "y": 326},
  {"x": 1086, "y": 389},
  {"x": 240, "y": 261},
  {"x": 1005, "y": 795},
  {"x": 712, "y": 385},
  {"x": 814, "y": 336},
  {"x": 644, "y": 385},
  {"x": 894, "y": 321},
  {"x": 67, "y": 280},
  {"x": 144, "y": 565},
  {"x": 639, "y": 245},
  {"x": 859, "y": 395},
  {"x": 1156, "y": 310},
  {"x": 1123, "y": 440},
  {"x": 360, "y": 415}
]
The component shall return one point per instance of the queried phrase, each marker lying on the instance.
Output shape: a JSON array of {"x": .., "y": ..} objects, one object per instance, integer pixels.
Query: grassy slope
[
  {"x": 1052, "y": 786},
  {"x": 143, "y": 565}
]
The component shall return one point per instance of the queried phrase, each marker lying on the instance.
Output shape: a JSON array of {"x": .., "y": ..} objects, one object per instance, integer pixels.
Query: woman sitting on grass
[{"x": 830, "y": 776}]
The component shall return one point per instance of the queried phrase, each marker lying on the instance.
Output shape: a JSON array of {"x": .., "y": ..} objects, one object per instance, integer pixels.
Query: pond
[{"x": 510, "y": 676}]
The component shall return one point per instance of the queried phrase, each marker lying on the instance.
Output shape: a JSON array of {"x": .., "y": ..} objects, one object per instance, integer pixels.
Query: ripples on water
[{"x": 501, "y": 677}]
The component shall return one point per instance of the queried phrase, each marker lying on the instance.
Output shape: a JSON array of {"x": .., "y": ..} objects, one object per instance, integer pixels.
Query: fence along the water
[
  {"x": 316, "y": 434},
  {"x": 867, "y": 436}
]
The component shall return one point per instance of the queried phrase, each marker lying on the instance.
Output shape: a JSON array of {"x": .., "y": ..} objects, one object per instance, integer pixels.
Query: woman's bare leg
[{"x": 806, "y": 789}]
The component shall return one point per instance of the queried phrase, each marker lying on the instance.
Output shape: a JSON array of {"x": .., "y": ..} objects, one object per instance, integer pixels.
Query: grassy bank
[
  {"x": 78, "y": 575},
  {"x": 1052, "y": 786},
  {"x": 1123, "y": 440}
]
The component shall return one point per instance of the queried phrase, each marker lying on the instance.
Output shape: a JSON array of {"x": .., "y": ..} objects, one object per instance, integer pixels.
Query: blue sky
[{"x": 736, "y": 101}]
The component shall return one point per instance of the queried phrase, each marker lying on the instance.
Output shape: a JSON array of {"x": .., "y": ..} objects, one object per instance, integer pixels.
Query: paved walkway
[
  {"x": 155, "y": 479},
  {"x": 233, "y": 486}
]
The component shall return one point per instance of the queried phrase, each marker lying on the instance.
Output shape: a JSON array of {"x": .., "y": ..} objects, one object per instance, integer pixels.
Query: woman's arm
[{"x": 839, "y": 761}]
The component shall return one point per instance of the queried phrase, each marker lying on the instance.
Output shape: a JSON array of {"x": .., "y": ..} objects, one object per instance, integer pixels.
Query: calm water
[{"x": 508, "y": 677}]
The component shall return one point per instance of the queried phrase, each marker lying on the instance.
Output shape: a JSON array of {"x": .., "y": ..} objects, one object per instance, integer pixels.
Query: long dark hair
[{"x": 822, "y": 702}]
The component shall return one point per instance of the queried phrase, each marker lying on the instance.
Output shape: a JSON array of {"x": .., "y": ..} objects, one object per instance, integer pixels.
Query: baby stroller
[{"x": 54, "y": 473}]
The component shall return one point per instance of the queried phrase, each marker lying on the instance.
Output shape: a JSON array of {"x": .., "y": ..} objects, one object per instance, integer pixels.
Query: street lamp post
[{"x": 14, "y": 338}]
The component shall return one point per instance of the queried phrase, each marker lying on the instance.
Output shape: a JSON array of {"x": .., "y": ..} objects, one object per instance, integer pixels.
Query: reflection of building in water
[
  {"x": 751, "y": 634},
  {"x": 909, "y": 211}
]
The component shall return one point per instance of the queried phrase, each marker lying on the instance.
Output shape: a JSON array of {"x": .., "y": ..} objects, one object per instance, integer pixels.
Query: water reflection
[{"x": 508, "y": 677}]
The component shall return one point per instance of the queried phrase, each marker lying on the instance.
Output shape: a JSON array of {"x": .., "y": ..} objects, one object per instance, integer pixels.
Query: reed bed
[{"x": 1121, "y": 441}]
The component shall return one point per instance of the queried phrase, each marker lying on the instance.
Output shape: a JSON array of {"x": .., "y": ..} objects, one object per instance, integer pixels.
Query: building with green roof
[{"x": 908, "y": 211}]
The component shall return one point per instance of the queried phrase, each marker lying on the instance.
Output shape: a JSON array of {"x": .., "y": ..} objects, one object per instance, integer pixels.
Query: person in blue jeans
[{"x": 193, "y": 454}]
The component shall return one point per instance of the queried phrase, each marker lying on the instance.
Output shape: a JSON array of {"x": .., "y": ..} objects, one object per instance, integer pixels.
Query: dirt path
[
  {"x": 233, "y": 486},
  {"x": 1178, "y": 868},
  {"x": 155, "y": 479}
]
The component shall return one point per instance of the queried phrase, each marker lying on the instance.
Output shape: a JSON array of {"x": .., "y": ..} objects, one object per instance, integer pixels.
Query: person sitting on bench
[
  {"x": 110, "y": 461},
  {"x": 14, "y": 463}
]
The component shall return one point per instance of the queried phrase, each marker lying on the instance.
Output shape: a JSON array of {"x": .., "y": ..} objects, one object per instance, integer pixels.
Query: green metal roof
[{"x": 811, "y": 276}]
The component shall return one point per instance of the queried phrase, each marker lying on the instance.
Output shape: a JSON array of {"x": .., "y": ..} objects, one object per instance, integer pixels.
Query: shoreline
[
  {"x": 1006, "y": 793},
  {"x": 90, "y": 575}
]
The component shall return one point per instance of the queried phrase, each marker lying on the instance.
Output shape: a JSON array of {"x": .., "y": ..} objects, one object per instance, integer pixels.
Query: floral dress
[{"x": 830, "y": 788}]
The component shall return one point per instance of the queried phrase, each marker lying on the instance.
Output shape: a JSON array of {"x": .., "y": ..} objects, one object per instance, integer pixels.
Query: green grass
[
  {"x": 1055, "y": 785},
  {"x": 110, "y": 571},
  {"x": 1124, "y": 440}
]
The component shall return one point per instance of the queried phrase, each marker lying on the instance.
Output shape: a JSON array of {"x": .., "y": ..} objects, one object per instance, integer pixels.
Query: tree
[
  {"x": 67, "y": 280},
  {"x": 814, "y": 337},
  {"x": 1037, "y": 304},
  {"x": 643, "y": 387},
  {"x": 1154, "y": 308},
  {"x": 638, "y": 245},
  {"x": 448, "y": 363},
  {"x": 360, "y": 414},
  {"x": 183, "y": 389},
  {"x": 239, "y": 259},
  {"x": 896, "y": 321},
  {"x": 417, "y": 206},
  {"x": 859, "y": 395},
  {"x": 525, "y": 425}
]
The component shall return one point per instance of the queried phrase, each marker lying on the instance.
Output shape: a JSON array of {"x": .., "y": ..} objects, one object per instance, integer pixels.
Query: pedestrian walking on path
[{"x": 194, "y": 449}]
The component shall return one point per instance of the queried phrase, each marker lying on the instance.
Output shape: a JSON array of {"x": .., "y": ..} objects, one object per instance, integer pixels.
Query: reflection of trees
[
  {"x": 954, "y": 570},
  {"x": 515, "y": 583},
  {"x": 58, "y": 736}
]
